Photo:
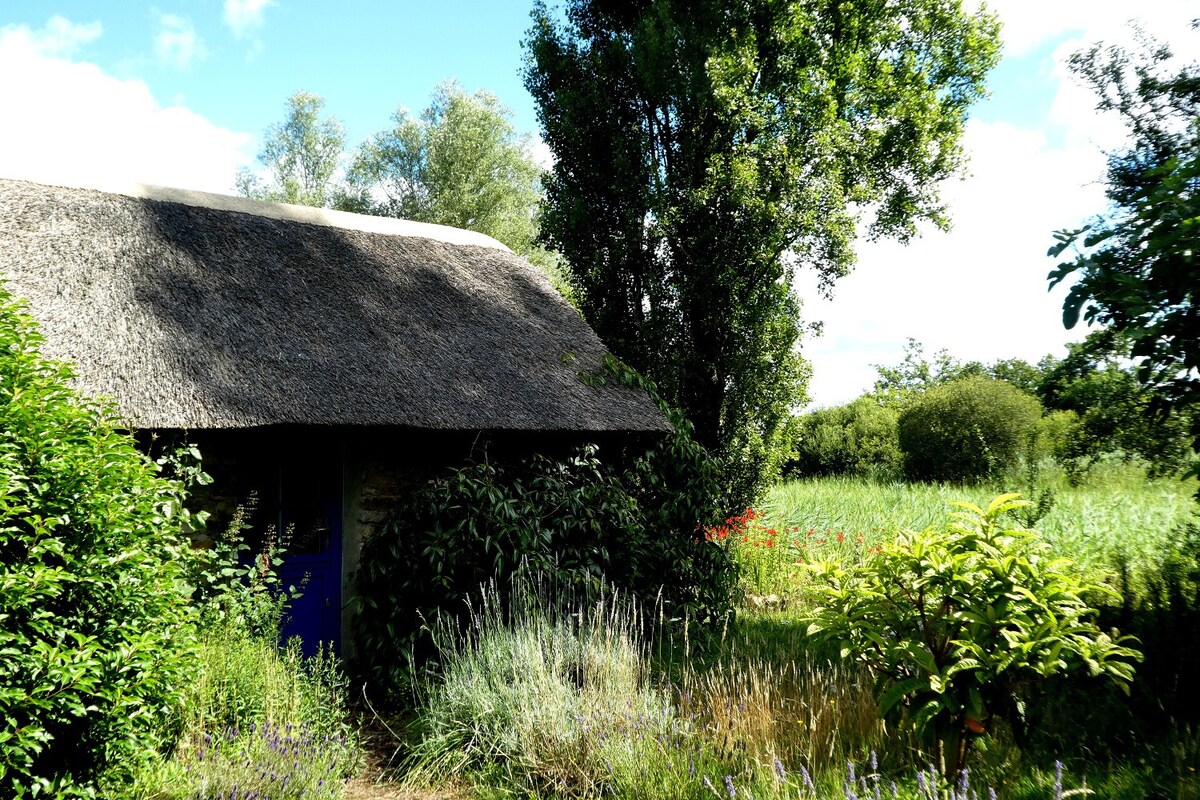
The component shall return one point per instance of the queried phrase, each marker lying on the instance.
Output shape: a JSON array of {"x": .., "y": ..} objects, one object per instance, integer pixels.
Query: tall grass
[
  {"x": 1118, "y": 516},
  {"x": 546, "y": 696},
  {"x": 258, "y": 721}
]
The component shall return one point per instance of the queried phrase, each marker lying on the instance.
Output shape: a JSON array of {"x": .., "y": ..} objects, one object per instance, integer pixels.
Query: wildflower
[
  {"x": 779, "y": 771},
  {"x": 841, "y": 537},
  {"x": 729, "y": 787},
  {"x": 808, "y": 781},
  {"x": 1058, "y": 787}
]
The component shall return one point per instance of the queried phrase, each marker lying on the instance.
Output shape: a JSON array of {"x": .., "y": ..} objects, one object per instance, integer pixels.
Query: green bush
[
  {"x": 961, "y": 621},
  {"x": 1053, "y": 433},
  {"x": 96, "y": 633},
  {"x": 573, "y": 519},
  {"x": 636, "y": 521},
  {"x": 859, "y": 438},
  {"x": 966, "y": 430}
]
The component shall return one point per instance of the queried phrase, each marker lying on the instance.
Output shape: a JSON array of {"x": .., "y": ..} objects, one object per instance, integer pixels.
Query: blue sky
[
  {"x": 365, "y": 58},
  {"x": 178, "y": 93}
]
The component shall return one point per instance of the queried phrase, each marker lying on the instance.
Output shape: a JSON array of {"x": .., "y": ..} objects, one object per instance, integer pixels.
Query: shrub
[
  {"x": 960, "y": 620},
  {"x": 1052, "y": 434},
  {"x": 256, "y": 720},
  {"x": 859, "y": 438},
  {"x": 96, "y": 634},
  {"x": 571, "y": 519},
  {"x": 638, "y": 525},
  {"x": 966, "y": 430}
]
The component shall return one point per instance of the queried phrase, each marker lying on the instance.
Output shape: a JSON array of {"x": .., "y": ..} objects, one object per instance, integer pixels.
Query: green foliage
[
  {"x": 302, "y": 155},
  {"x": 859, "y": 438},
  {"x": 255, "y": 718},
  {"x": 578, "y": 519},
  {"x": 1136, "y": 269},
  {"x": 960, "y": 620},
  {"x": 966, "y": 430},
  {"x": 702, "y": 148},
  {"x": 460, "y": 163},
  {"x": 547, "y": 696},
  {"x": 236, "y": 593},
  {"x": 1053, "y": 434},
  {"x": 96, "y": 635},
  {"x": 898, "y": 384},
  {"x": 1116, "y": 414}
]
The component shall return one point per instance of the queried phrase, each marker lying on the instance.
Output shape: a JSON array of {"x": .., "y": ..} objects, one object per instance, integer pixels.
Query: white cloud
[
  {"x": 80, "y": 126},
  {"x": 980, "y": 291},
  {"x": 1030, "y": 23},
  {"x": 177, "y": 43},
  {"x": 244, "y": 17},
  {"x": 59, "y": 37}
]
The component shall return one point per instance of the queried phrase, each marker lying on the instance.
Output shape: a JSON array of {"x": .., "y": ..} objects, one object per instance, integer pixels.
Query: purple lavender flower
[
  {"x": 729, "y": 790},
  {"x": 780, "y": 773},
  {"x": 1058, "y": 787},
  {"x": 808, "y": 781}
]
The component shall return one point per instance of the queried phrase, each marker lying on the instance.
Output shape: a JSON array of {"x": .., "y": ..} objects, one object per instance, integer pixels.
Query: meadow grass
[
  {"x": 543, "y": 698},
  {"x": 1117, "y": 515}
]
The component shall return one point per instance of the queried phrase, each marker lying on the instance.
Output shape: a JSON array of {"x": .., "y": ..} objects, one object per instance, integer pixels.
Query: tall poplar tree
[{"x": 703, "y": 149}]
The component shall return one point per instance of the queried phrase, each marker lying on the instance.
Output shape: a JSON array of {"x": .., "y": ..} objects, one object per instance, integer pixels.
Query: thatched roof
[{"x": 194, "y": 310}]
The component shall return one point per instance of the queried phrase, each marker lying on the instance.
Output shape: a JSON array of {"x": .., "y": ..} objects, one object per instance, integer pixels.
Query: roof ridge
[{"x": 294, "y": 213}]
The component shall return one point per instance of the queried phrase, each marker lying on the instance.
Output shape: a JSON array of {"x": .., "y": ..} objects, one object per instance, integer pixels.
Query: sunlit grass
[{"x": 1116, "y": 515}]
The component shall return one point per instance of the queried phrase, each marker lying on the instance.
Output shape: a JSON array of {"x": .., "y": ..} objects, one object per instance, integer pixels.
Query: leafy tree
[
  {"x": 460, "y": 163},
  {"x": 97, "y": 637},
  {"x": 962, "y": 621},
  {"x": 1114, "y": 410},
  {"x": 916, "y": 373},
  {"x": 966, "y": 429},
  {"x": 858, "y": 438},
  {"x": 1019, "y": 373},
  {"x": 1137, "y": 268},
  {"x": 703, "y": 148},
  {"x": 302, "y": 155}
]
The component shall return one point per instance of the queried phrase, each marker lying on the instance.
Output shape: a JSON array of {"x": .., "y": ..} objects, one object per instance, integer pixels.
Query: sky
[{"x": 178, "y": 93}]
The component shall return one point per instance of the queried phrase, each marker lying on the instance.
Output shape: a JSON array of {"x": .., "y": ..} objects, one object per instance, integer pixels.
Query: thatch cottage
[{"x": 323, "y": 360}]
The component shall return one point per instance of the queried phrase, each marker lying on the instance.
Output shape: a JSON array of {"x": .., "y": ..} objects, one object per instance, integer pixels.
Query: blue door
[{"x": 310, "y": 522}]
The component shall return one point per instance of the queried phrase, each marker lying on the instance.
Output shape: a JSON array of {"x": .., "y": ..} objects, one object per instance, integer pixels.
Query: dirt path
[{"x": 373, "y": 781}]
